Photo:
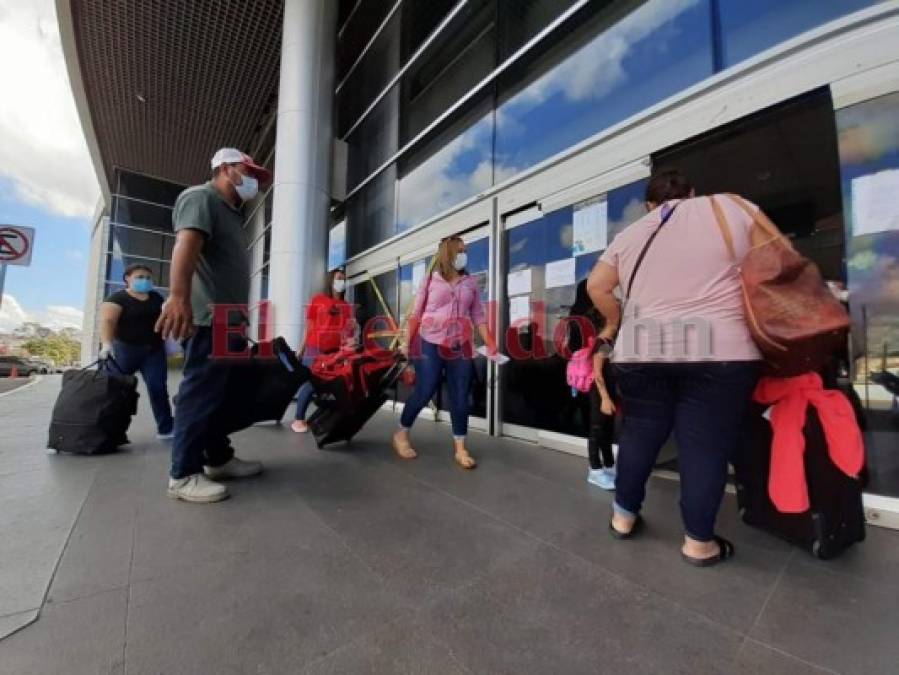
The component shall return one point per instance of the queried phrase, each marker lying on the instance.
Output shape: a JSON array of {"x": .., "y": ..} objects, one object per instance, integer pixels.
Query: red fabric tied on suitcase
[
  {"x": 360, "y": 372},
  {"x": 790, "y": 398}
]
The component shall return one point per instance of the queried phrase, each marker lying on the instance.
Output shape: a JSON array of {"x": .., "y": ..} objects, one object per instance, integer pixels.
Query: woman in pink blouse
[{"x": 447, "y": 309}]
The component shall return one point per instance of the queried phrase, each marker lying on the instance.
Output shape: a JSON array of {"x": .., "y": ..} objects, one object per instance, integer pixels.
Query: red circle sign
[{"x": 13, "y": 244}]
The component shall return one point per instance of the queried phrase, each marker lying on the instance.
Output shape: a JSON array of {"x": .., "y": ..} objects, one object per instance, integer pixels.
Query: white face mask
[
  {"x": 460, "y": 262},
  {"x": 339, "y": 285},
  {"x": 248, "y": 188}
]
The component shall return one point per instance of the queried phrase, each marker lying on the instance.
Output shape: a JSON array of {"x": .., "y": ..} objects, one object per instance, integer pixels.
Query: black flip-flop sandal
[
  {"x": 726, "y": 552},
  {"x": 635, "y": 529}
]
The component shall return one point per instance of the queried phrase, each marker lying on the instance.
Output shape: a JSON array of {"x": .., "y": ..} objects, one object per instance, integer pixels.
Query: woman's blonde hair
[{"x": 446, "y": 254}]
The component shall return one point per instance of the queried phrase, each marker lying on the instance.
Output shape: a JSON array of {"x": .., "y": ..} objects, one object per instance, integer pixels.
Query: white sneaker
[
  {"x": 233, "y": 468},
  {"x": 197, "y": 489}
]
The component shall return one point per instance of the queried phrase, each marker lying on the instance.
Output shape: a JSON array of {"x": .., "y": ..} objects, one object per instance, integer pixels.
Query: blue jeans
[
  {"x": 306, "y": 391},
  {"x": 429, "y": 371},
  {"x": 705, "y": 405},
  {"x": 200, "y": 416},
  {"x": 150, "y": 361}
]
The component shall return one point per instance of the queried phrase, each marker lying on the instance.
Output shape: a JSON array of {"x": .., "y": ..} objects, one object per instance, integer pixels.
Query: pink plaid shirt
[{"x": 449, "y": 312}]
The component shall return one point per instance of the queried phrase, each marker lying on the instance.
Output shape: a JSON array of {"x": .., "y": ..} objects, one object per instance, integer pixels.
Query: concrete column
[{"x": 300, "y": 214}]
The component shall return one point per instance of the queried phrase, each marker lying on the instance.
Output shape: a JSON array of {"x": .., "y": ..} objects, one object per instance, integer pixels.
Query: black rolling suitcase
[
  {"x": 836, "y": 519},
  {"x": 261, "y": 389},
  {"x": 93, "y": 411},
  {"x": 345, "y": 404}
]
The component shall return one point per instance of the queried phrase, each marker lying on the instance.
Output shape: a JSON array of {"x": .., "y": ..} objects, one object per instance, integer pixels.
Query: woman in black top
[{"x": 127, "y": 321}]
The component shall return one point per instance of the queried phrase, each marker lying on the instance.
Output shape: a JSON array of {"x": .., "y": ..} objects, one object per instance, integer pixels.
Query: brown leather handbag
[{"x": 796, "y": 321}]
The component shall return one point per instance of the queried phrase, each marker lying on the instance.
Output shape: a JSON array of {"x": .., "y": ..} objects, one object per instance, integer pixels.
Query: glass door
[
  {"x": 869, "y": 167},
  {"x": 547, "y": 256}
]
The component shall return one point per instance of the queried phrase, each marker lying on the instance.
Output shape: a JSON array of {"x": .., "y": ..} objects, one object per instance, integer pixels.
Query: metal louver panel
[{"x": 169, "y": 81}]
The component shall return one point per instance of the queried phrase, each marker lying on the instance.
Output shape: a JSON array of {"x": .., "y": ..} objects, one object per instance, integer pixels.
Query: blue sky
[{"x": 47, "y": 180}]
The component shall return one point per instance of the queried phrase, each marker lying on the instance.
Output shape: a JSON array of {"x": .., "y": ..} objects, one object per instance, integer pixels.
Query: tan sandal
[
  {"x": 465, "y": 460},
  {"x": 403, "y": 448}
]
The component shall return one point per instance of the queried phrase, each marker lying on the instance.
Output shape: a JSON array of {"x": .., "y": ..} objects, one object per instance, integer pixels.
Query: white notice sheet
[
  {"x": 875, "y": 202},
  {"x": 518, "y": 282},
  {"x": 591, "y": 228},
  {"x": 560, "y": 273},
  {"x": 519, "y": 309}
]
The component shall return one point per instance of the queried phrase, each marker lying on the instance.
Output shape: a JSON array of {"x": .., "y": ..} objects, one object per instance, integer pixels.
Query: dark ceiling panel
[{"x": 170, "y": 81}]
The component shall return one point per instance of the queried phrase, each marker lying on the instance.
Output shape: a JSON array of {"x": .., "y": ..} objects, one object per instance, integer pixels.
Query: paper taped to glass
[{"x": 875, "y": 202}]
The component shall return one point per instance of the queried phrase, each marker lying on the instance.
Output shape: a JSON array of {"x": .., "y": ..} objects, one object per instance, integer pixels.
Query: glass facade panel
[
  {"x": 368, "y": 79},
  {"x": 129, "y": 212},
  {"x": 610, "y": 68},
  {"x": 460, "y": 167},
  {"x": 461, "y": 60},
  {"x": 139, "y": 242},
  {"x": 521, "y": 20},
  {"x": 374, "y": 141},
  {"x": 748, "y": 28},
  {"x": 869, "y": 159},
  {"x": 355, "y": 33},
  {"x": 420, "y": 19},
  {"x": 370, "y": 213},
  {"x": 148, "y": 189}
]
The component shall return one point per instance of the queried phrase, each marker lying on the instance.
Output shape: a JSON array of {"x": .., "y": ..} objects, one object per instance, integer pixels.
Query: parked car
[
  {"x": 24, "y": 367},
  {"x": 44, "y": 366}
]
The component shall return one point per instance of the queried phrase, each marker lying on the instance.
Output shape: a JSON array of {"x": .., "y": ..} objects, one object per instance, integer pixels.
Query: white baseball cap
[{"x": 235, "y": 156}]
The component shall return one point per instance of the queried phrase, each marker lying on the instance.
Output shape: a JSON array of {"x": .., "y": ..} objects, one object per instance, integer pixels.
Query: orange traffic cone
[{"x": 14, "y": 372}]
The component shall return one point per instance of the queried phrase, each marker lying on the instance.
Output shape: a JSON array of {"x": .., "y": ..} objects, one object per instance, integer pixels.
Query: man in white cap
[{"x": 210, "y": 266}]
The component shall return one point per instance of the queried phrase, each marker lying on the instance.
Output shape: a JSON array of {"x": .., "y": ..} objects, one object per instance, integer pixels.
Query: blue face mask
[{"x": 142, "y": 285}]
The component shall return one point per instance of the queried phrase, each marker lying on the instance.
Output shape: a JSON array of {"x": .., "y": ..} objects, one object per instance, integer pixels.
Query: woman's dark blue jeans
[
  {"x": 704, "y": 404},
  {"x": 151, "y": 362},
  {"x": 429, "y": 371}
]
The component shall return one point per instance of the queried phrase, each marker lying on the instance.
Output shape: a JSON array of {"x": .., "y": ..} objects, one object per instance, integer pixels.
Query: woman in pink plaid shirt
[{"x": 447, "y": 310}]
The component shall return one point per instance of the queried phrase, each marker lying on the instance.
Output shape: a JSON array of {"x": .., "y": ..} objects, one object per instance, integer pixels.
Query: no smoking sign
[{"x": 16, "y": 245}]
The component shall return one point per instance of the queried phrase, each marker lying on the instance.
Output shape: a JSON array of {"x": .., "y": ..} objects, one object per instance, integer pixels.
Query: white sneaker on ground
[
  {"x": 299, "y": 426},
  {"x": 233, "y": 468},
  {"x": 197, "y": 489},
  {"x": 603, "y": 478}
]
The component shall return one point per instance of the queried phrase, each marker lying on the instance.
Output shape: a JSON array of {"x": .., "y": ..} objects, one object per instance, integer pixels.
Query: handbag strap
[
  {"x": 759, "y": 218},
  {"x": 646, "y": 246}
]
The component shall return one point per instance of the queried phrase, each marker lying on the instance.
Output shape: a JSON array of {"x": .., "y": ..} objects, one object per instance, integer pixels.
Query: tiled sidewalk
[{"x": 351, "y": 561}]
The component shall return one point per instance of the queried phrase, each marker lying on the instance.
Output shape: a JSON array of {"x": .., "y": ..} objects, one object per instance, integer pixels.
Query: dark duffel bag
[
  {"x": 836, "y": 519},
  {"x": 338, "y": 418},
  {"x": 93, "y": 410},
  {"x": 261, "y": 388}
]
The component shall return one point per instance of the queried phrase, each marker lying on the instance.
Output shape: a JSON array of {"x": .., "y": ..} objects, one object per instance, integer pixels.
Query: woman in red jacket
[{"x": 328, "y": 325}]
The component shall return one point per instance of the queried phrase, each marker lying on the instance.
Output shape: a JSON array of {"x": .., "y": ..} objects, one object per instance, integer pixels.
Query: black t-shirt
[{"x": 138, "y": 318}]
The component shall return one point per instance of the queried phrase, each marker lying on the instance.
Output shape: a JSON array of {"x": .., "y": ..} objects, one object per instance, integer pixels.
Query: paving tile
[
  {"x": 553, "y": 613},
  {"x": 732, "y": 593},
  {"x": 254, "y": 612},
  {"x": 98, "y": 554},
  {"x": 875, "y": 559},
  {"x": 10, "y": 623},
  {"x": 400, "y": 648},
  {"x": 38, "y": 511},
  {"x": 841, "y": 621},
  {"x": 756, "y": 658},
  {"x": 81, "y": 637}
]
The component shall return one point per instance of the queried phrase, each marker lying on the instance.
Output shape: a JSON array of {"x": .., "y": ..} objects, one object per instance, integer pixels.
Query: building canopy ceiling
[{"x": 167, "y": 82}]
